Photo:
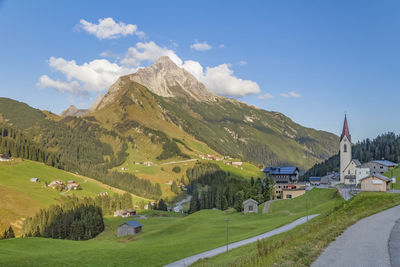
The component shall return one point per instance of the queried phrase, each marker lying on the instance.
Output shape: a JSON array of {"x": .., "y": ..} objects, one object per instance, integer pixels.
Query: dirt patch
[{"x": 127, "y": 240}]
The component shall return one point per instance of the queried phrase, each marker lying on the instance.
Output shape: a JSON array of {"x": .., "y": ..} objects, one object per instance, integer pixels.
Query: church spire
[{"x": 345, "y": 131}]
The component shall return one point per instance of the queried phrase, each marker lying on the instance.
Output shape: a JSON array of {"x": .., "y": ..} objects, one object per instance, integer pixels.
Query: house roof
[
  {"x": 134, "y": 223},
  {"x": 357, "y": 162},
  {"x": 345, "y": 131},
  {"x": 379, "y": 176},
  {"x": 249, "y": 200},
  {"x": 386, "y": 163},
  {"x": 315, "y": 179},
  {"x": 280, "y": 170}
]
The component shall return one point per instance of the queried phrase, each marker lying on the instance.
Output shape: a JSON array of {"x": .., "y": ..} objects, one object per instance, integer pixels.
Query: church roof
[{"x": 345, "y": 131}]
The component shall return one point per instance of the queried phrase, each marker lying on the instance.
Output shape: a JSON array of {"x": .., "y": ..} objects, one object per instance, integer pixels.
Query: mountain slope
[{"x": 167, "y": 98}]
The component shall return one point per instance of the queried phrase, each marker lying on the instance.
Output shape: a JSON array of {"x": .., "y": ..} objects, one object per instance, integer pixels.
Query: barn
[
  {"x": 250, "y": 206},
  {"x": 130, "y": 228},
  {"x": 375, "y": 183}
]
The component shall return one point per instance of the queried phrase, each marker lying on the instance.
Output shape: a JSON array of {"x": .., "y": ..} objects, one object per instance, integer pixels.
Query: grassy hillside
[
  {"x": 302, "y": 245},
  {"x": 394, "y": 173},
  {"x": 164, "y": 239},
  {"x": 20, "y": 198}
]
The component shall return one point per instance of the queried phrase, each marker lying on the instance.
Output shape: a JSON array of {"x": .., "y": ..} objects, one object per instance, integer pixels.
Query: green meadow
[
  {"x": 21, "y": 198},
  {"x": 166, "y": 237}
]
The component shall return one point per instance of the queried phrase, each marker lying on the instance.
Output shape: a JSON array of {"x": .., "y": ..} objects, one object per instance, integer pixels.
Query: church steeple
[{"x": 345, "y": 131}]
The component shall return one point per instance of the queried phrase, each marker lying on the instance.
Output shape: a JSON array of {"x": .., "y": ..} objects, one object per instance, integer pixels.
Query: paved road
[
  {"x": 366, "y": 243},
  {"x": 178, "y": 207},
  {"x": 189, "y": 260}
]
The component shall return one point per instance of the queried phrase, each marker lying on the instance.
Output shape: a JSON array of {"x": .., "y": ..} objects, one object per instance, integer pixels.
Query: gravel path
[
  {"x": 189, "y": 260},
  {"x": 365, "y": 243},
  {"x": 266, "y": 205}
]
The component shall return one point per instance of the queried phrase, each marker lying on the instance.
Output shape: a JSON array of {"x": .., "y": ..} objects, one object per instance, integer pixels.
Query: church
[{"x": 351, "y": 170}]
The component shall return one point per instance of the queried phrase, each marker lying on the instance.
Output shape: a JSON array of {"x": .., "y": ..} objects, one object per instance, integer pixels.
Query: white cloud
[
  {"x": 243, "y": 63},
  {"x": 107, "y": 28},
  {"x": 94, "y": 76},
  {"x": 201, "y": 46},
  {"x": 97, "y": 75},
  {"x": 148, "y": 52},
  {"x": 221, "y": 46},
  {"x": 62, "y": 86},
  {"x": 265, "y": 96},
  {"x": 290, "y": 94},
  {"x": 220, "y": 80}
]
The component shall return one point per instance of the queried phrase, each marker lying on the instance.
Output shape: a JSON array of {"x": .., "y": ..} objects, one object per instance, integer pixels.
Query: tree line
[
  {"x": 211, "y": 187},
  {"x": 75, "y": 219},
  {"x": 385, "y": 146}
]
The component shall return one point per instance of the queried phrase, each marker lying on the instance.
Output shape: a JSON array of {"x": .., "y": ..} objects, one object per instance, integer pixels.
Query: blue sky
[{"x": 326, "y": 57}]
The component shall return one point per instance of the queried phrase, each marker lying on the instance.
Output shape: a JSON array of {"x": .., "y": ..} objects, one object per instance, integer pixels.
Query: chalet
[
  {"x": 237, "y": 163},
  {"x": 130, "y": 228},
  {"x": 4, "y": 157},
  {"x": 283, "y": 175},
  {"x": 56, "y": 184},
  {"x": 73, "y": 186},
  {"x": 148, "y": 163},
  {"x": 250, "y": 206},
  {"x": 210, "y": 156},
  {"x": 376, "y": 183},
  {"x": 125, "y": 213},
  {"x": 315, "y": 180},
  {"x": 102, "y": 194},
  {"x": 34, "y": 180}
]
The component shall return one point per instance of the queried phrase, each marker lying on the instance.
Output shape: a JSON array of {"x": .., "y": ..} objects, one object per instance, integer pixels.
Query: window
[
  {"x": 250, "y": 207},
  {"x": 345, "y": 148},
  {"x": 288, "y": 196}
]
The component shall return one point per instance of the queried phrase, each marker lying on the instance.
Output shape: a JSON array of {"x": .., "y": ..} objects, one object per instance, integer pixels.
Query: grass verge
[{"x": 302, "y": 245}]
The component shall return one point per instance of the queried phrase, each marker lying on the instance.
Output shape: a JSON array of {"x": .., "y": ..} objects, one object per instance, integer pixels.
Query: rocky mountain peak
[
  {"x": 73, "y": 112},
  {"x": 166, "y": 79}
]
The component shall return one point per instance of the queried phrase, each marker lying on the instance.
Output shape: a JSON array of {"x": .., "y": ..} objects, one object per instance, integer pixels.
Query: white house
[{"x": 362, "y": 173}]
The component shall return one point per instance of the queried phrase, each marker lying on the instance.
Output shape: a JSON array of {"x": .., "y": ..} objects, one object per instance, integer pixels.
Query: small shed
[
  {"x": 34, "y": 180},
  {"x": 129, "y": 228},
  {"x": 376, "y": 183},
  {"x": 250, "y": 206},
  {"x": 4, "y": 157}
]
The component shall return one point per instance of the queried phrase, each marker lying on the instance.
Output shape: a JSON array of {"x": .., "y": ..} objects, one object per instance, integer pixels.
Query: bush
[{"x": 176, "y": 169}]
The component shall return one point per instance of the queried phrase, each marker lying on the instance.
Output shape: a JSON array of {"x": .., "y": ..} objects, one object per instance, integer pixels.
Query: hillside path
[
  {"x": 366, "y": 243},
  {"x": 190, "y": 260},
  {"x": 267, "y": 204},
  {"x": 176, "y": 162}
]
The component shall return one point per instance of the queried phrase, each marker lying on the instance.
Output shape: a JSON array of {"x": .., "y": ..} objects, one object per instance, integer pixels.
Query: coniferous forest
[
  {"x": 211, "y": 187},
  {"x": 385, "y": 146},
  {"x": 76, "y": 219}
]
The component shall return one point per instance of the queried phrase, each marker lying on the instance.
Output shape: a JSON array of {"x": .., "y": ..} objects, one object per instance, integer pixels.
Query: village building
[
  {"x": 286, "y": 179},
  {"x": 250, "y": 206},
  {"x": 130, "y": 228},
  {"x": 73, "y": 186},
  {"x": 285, "y": 191},
  {"x": 124, "y": 213},
  {"x": 315, "y": 180},
  {"x": 236, "y": 164},
  {"x": 210, "y": 156},
  {"x": 361, "y": 173},
  {"x": 4, "y": 157},
  {"x": 56, "y": 184},
  {"x": 148, "y": 163},
  {"x": 350, "y": 172},
  {"x": 34, "y": 180},
  {"x": 380, "y": 166},
  {"x": 102, "y": 194},
  {"x": 283, "y": 175},
  {"x": 376, "y": 183}
]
